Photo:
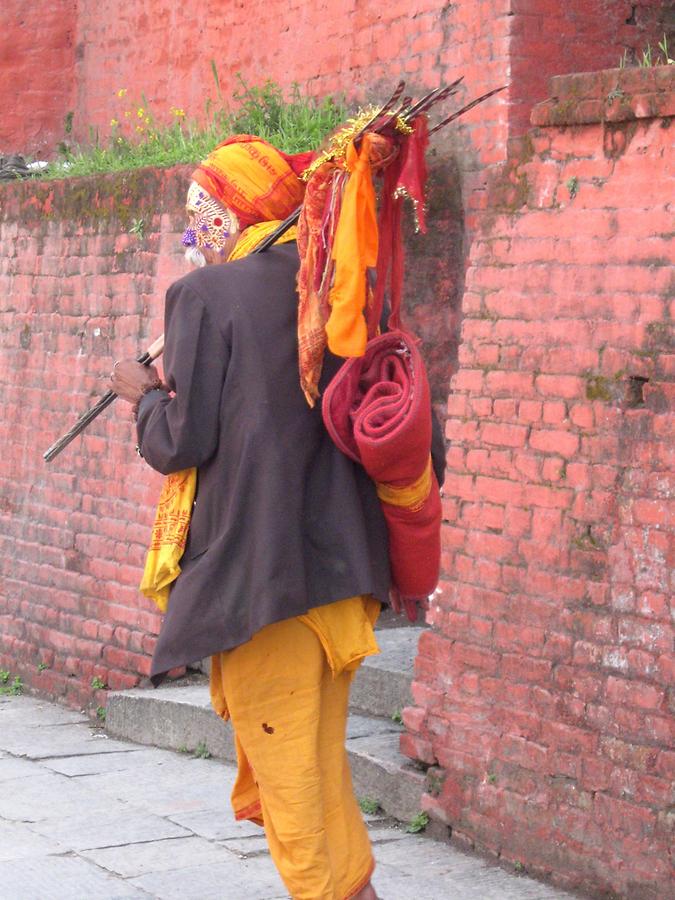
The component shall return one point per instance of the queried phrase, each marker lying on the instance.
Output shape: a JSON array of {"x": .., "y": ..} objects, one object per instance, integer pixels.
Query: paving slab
[
  {"x": 215, "y": 824},
  {"x": 33, "y": 712},
  {"x": 457, "y": 875},
  {"x": 248, "y": 879},
  {"x": 160, "y": 789},
  {"x": 98, "y": 763},
  {"x": 62, "y": 878},
  {"x": 255, "y": 845},
  {"x": 118, "y": 825},
  {"x": 12, "y": 767},
  {"x": 55, "y": 740},
  {"x": 18, "y": 841},
  {"x": 47, "y": 796},
  {"x": 132, "y": 860}
]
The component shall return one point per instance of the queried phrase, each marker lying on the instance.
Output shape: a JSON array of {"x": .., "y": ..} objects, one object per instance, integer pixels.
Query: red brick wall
[
  {"x": 554, "y": 38},
  {"x": 37, "y": 59},
  {"x": 545, "y": 686},
  {"x": 359, "y": 48},
  {"x": 82, "y": 291},
  {"x": 65, "y": 57}
]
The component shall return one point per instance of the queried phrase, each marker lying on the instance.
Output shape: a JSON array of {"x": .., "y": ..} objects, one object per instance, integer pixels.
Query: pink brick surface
[{"x": 556, "y": 673}]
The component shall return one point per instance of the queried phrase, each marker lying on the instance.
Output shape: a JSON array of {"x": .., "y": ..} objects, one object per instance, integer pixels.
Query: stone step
[
  {"x": 382, "y": 684},
  {"x": 180, "y": 717}
]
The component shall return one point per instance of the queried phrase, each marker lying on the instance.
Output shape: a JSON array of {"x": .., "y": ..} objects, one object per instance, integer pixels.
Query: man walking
[{"x": 286, "y": 559}]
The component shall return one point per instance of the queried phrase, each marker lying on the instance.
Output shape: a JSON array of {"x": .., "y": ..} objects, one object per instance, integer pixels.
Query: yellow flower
[
  {"x": 127, "y": 114},
  {"x": 122, "y": 92},
  {"x": 178, "y": 113},
  {"x": 114, "y": 123},
  {"x": 147, "y": 120},
  {"x": 140, "y": 128},
  {"x": 140, "y": 112}
]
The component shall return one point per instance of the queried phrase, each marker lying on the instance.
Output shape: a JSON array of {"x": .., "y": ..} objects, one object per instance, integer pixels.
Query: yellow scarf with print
[{"x": 172, "y": 519}]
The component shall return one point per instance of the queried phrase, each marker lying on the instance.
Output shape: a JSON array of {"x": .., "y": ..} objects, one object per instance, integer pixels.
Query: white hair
[{"x": 195, "y": 257}]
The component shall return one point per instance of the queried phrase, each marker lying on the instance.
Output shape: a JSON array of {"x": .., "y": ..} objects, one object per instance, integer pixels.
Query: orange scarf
[{"x": 252, "y": 178}]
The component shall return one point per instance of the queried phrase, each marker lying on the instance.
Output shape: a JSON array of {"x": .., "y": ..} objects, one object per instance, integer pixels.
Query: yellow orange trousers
[{"x": 288, "y": 706}]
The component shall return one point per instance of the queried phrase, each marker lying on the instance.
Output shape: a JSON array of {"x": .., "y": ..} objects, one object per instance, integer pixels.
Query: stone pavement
[{"x": 86, "y": 817}]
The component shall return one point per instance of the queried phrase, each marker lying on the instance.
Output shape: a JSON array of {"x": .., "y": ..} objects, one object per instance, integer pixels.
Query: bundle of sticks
[{"x": 399, "y": 111}]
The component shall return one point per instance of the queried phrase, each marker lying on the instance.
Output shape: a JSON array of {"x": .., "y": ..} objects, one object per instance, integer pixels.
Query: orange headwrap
[{"x": 253, "y": 179}]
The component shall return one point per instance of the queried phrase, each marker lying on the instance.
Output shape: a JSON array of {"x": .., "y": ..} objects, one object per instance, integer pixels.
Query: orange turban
[{"x": 252, "y": 178}]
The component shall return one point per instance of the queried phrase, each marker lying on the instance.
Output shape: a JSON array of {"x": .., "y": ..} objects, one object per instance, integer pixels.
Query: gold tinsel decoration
[{"x": 336, "y": 151}]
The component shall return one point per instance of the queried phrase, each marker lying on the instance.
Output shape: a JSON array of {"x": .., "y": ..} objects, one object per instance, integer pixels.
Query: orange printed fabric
[
  {"x": 315, "y": 233},
  {"x": 252, "y": 178},
  {"x": 169, "y": 533}
]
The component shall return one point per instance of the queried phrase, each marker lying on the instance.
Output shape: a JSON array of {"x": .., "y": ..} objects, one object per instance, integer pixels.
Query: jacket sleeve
[{"x": 180, "y": 431}]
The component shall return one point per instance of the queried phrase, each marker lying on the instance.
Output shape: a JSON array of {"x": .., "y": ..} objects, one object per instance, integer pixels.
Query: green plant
[
  {"x": 518, "y": 866},
  {"x": 137, "y": 227},
  {"x": 663, "y": 47},
  {"x": 418, "y": 823},
  {"x": 491, "y": 778},
  {"x": 15, "y": 688},
  {"x": 572, "y": 185},
  {"x": 615, "y": 94},
  {"x": 201, "y": 751},
  {"x": 649, "y": 57},
  {"x": 369, "y": 806},
  {"x": 97, "y": 683},
  {"x": 139, "y": 136},
  {"x": 42, "y": 666},
  {"x": 183, "y": 748},
  {"x": 100, "y": 713},
  {"x": 397, "y": 717}
]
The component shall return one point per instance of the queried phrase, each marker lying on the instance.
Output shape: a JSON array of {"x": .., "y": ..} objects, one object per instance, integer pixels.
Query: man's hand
[
  {"x": 130, "y": 380},
  {"x": 407, "y": 605}
]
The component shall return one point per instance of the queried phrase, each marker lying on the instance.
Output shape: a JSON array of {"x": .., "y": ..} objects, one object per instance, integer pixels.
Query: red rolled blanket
[{"x": 377, "y": 409}]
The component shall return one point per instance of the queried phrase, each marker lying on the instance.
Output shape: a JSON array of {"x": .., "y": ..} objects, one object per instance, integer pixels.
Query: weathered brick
[{"x": 504, "y": 435}]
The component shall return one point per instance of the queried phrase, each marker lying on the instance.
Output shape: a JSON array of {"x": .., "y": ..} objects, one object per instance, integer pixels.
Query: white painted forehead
[{"x": 197, "y": 198}]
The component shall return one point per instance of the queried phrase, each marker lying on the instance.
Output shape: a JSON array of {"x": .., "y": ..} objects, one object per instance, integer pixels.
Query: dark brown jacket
[{"x": 282, "y": 521}]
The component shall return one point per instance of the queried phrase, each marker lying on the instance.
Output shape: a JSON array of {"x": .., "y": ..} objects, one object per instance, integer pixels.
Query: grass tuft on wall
[{"x": 293, "y": 124}]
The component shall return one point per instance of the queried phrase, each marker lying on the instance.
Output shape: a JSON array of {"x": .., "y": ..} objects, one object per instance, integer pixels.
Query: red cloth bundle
[{"x": 377, "y": 409}]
